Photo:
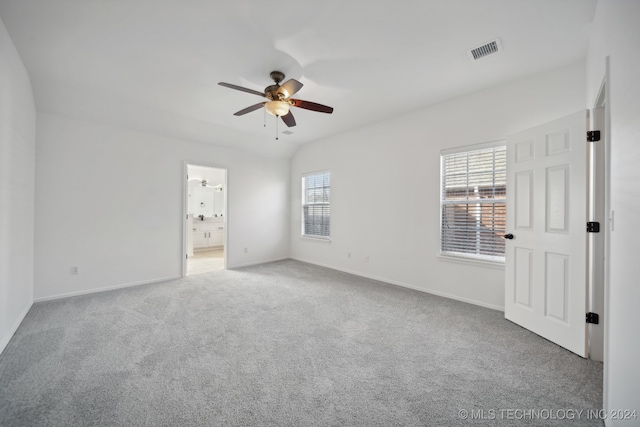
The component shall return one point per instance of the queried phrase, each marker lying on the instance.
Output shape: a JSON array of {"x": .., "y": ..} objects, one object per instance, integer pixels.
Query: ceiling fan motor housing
[{"x": 271, "y": 92}]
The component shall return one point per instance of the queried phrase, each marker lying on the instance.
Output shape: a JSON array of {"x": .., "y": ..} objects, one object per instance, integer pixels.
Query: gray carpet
[{"x": 284, "y": 344}]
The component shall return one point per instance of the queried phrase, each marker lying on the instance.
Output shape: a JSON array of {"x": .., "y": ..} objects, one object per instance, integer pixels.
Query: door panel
[
  {"x": 546, "y": 262},
  {"x": 558, "y": 192},
  {"x": 556, "y": 286},
  {"x": 524, "y": 200},
  {"x": 523, "y": 283}
]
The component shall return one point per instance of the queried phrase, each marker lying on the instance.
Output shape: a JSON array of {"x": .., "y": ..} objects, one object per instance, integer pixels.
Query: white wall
[
  {"x": 385, "y": 184},
  {"x": 17, "y": 157},
  {"x": 616, "y": 34},
  {"x": 110, "y": 201}
]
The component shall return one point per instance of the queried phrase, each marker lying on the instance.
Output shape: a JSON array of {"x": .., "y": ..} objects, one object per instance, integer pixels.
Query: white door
[{"x": 546, "y": 261}]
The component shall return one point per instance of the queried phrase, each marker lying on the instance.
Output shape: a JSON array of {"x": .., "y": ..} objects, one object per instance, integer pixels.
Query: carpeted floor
[{"x": 285, "y": 344}]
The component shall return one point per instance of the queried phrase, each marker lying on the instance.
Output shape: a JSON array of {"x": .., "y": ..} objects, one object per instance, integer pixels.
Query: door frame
[
  {"x": 609, "y": 218},
  {"x": 598, "y": 208},
  {"x": 185, "y": 204}
]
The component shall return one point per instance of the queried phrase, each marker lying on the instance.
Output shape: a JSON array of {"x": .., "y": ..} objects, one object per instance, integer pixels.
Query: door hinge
[
  {"x": 593, "y": 318},
  {"x": 186, "y": 256},
  {"x": 593, "y": 227},
  {"x": 593, "y": 135}
]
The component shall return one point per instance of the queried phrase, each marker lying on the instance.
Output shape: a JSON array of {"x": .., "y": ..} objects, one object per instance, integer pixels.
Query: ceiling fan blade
[
  {"x": 312, "y": 106},
  {"x": 240, "y": 88},
  {"x": 290, "y": 87},
  {"x": 288, "y": 119},
  {"x": 249, "y": 109}
]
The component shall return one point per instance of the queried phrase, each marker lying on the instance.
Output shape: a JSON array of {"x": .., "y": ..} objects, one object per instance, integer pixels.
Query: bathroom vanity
[{"x": 208, "y": 233}]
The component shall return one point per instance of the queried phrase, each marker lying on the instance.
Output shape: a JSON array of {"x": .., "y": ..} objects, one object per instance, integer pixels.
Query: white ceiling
[{"x": 154, "y": 65}]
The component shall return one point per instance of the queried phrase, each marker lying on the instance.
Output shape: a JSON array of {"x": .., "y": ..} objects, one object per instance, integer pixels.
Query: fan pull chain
[
  {"x": 277, "y": 117},
  {"x": 265, "y": 117}
]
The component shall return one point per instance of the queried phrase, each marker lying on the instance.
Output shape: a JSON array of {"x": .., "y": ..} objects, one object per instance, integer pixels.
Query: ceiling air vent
[{"x": 486, "y": 49}]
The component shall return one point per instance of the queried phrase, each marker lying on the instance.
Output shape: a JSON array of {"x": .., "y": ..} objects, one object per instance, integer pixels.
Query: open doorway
[{"x": 205, "y": 219}]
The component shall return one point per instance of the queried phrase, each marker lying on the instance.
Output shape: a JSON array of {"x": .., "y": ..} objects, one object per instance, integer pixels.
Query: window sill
[
  {"x": 496, "y": 265},
  {"x": 316, "y": 239}
]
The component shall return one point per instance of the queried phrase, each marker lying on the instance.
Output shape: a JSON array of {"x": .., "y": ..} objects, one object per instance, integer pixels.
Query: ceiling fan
[{"x": 280, "y": 100}]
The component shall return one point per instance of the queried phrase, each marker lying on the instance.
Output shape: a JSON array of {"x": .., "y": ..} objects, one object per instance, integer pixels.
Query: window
[
  {"x": 316, "y": 212},
  {"x": 473, "y": 202}
]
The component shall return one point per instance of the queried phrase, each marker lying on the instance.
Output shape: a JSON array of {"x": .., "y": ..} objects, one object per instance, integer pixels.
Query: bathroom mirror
[
  {"x": 201, "y": 201},
  {"x": 206, "y": 191}
]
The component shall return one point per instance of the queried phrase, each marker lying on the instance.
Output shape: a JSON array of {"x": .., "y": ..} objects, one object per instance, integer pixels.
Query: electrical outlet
[
  {"x": 366, "y": 258},
  {"x": 74, "y": 270},
  {"x": 348, "y": 254},
  {"x": 246, "y": 250}
]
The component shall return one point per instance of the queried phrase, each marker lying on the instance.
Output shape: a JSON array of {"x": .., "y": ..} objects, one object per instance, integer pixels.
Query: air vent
[
  {"x": 486, "y": 49},
  {"x": 287, "y": 132}
]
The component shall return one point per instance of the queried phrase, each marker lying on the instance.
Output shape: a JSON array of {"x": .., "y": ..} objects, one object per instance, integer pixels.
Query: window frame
[
  {"x": 479, "y": 259},
  {"x": 303, "y": 204}
]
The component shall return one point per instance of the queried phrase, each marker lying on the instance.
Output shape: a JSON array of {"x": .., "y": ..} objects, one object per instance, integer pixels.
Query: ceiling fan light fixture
[{"x": 277, "y": 108}]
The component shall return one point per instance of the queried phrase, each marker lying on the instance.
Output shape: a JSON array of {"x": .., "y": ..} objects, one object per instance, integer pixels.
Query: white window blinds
[
  {"x": 473, "y": 203},
  {"x": 316, "y": 211}
]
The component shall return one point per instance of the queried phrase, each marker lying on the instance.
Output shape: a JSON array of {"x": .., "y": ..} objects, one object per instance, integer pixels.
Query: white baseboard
[
  {"x": 256, "y": 263},
  {"x": 5, "y": 340},
  {"x": 145, "y": 282},
  {"x": 406, "y": 285},
  {"x": 106, "y": 288}
]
